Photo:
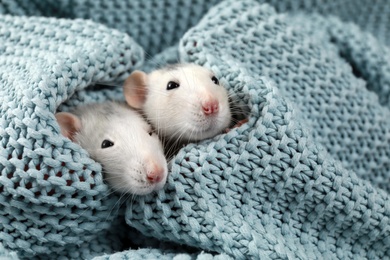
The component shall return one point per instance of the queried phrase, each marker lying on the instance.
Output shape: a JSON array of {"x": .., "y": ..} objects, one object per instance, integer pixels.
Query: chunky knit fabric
[{"x": 306, "y": 178}]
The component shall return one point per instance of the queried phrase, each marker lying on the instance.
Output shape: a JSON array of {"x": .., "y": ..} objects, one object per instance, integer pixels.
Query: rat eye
[
  {"x": 106, "y": 144},
  {"x": 215, "y": 80},
  {"x": 172, "y": 85},
  {"x": 150, "y": 133}
]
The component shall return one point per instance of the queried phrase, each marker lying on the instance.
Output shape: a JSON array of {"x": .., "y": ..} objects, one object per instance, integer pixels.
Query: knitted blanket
[{"x": 308, "y": 177}]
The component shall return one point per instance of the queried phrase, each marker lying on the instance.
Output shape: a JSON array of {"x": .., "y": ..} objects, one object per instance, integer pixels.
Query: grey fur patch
[
  {"x": 172, "y": 67},
  {"x": 105, "y": 110}
]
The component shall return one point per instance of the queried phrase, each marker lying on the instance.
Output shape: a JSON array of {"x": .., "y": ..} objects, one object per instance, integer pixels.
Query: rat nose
[
  {"x": 210, "y": 107},
  {"x": 155, "y": 174}
]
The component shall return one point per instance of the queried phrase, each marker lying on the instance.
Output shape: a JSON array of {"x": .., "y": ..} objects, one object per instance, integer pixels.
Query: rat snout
[
  {"x": 210, "y": 107},
  {"x": 155, "y": 173}
]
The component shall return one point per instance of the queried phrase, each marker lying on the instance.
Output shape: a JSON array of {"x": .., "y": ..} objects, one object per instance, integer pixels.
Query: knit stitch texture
[{"x": 308, "y": 177}]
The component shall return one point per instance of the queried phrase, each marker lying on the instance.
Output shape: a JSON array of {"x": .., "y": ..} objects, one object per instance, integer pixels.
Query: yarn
[
  {"x": 307, "y": 177},
  {"x": 156, "y": 25},
  {"x": 51, "y": 193},
  {"x": 270, "y": 185},
  {"x": 326, "y": 93}
]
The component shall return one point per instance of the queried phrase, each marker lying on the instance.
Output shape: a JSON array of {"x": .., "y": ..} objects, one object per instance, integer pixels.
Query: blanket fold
[
  {"x": 52, "y": 194},
  {"x": 306, "y": 178},
  {"x": 271, "y": 191}
]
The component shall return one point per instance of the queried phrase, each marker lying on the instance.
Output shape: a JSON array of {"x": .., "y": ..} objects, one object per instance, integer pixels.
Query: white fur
[
  {"x": 134, "y": 151},
  {"x": 177, "y": 113}
]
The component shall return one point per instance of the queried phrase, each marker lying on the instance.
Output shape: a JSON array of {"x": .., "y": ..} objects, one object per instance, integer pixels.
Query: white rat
[
  {"x": 119, "y": 139},
  {"x": 183, "y": 102}
]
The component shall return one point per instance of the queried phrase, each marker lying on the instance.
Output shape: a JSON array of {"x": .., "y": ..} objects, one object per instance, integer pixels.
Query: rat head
[
  {"x": 122, "y": 142},
  {"x": 183, "y": 102}
]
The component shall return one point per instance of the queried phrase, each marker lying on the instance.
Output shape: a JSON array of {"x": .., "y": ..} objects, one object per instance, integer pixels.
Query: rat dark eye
[
  {"x": 215, "y": 80},
  {"x": 150, "y": 133},
  {"x": 172, "y": 85},
  {"x": 106, "y": 144}
]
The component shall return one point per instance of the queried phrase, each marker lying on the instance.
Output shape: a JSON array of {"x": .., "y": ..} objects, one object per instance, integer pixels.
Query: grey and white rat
[
  {"x": 122, "y": 141},
  {"x": 183, "y": 102}
]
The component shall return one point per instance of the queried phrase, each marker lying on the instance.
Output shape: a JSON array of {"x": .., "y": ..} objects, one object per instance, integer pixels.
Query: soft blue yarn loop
[{"x": 306, "y": 178}]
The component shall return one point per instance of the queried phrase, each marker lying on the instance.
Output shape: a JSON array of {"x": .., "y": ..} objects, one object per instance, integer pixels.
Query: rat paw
[{"x": 239, "y": 123}]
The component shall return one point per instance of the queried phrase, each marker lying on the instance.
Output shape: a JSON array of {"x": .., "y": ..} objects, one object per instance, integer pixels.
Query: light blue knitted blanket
[{"x": 308, "y": 177}]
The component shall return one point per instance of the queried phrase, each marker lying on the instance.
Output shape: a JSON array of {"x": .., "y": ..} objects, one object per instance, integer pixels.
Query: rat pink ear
[
  {"x": 135, "y": 89},
  {"x": 69, "y": 124}
]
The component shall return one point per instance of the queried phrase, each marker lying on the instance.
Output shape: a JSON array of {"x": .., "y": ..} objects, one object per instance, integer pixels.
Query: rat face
[
  {"x": 124, "y": 144},
  {"x": 132, "y": 156},
  {"x": 185, "y": 102}
]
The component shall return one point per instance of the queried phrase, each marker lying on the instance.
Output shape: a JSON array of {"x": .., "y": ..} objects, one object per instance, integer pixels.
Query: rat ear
[
  {"x": 135, "y": 89},
  {"x": 69, "y": 124}
]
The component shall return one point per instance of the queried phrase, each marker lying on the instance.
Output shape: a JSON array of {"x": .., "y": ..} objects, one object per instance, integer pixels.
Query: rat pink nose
[
  {"x": 155, "y": 175},
  {"x": 210, "y": 107}
]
